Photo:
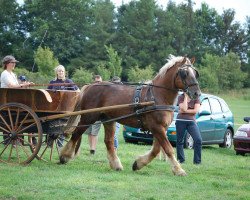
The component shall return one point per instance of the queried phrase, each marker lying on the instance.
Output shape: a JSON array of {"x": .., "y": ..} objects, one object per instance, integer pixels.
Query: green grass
[{"x": 222, "y": 175}]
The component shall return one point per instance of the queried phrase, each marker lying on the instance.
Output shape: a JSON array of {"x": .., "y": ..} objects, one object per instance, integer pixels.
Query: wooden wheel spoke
[
  {"x": 17, "y": 153},
  {"x": 5, "y": 123},
  {"x": 5, "y": 130},
  {"x": 6, "y": 146},
  {"x": 25, "y": 128},
  {"x": 29, "y": 134},
  {"x": 11, "y": 150},
  {"x": 40, "y": 157},
  {"x": 22, "y": 122},
  {"x": 11, "y": 120},
  {"x": 17, "y": 117},
  {"x": 23, "y": 147}
]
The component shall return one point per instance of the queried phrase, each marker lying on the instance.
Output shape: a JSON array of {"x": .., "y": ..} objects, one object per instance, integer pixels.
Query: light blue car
[{"x": 215, "y": 121}]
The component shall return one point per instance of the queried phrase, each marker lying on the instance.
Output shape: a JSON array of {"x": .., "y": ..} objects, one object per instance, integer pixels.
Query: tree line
[{"x": 132, "y": 41}]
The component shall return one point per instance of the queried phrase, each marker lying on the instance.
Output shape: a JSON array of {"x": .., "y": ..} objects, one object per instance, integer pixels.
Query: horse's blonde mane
[{"x": 171, "y": 62}]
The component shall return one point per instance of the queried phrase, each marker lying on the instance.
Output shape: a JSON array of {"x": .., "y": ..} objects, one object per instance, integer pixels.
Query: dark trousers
[{"x": 192, "y": 128}]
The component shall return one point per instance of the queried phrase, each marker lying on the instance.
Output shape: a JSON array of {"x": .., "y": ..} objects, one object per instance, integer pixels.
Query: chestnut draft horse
[{"x": 177, "y": 74}]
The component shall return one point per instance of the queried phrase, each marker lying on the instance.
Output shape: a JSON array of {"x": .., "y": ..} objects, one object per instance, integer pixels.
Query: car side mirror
[{"x": 205, "y": 112}]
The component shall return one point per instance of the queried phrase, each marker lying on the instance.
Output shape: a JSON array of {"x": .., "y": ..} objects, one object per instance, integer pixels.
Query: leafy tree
[
  {"x": 229, "y": 73},
  {"x": 135, "y": 74},
  {"x": 82, "y": 76},
  {"x": 100, "y": 33},
  {"x": 221, "y": 73},
  {"x": 208, "y": 80},
  {"x": 65, "y": 22},
  {"x": 11, "y": 31},
  {"x": 103, "y": 71},
  {"x": 114, "y": 63},
  {"x": 45, "y": 61},
  {"x": 135, "y": 39}
]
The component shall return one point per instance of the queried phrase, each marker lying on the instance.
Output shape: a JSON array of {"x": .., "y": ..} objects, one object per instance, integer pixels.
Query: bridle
[{"x": 183, "y": 79}]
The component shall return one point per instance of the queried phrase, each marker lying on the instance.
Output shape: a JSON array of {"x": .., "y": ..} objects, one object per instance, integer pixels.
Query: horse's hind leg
[
  {"x": 114, "y": 160},
  {"x": 70, "y": 150}
]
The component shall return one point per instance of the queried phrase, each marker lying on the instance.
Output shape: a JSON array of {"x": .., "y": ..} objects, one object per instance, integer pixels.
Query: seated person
[
  {"x": 60, "y": 78},
  {"x": 66, "y": 84},
  {"x": 8, "y": 77},
  {"x": 9, "y": 80}
]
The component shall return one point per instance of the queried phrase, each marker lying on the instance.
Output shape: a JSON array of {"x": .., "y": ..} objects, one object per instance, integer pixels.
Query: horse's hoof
[
  {"x": 118, "y": 169},
  {"x": 135, "y": 166},
  {"x": 180, "y": 173},
  {"x": 63, "y": 160}
]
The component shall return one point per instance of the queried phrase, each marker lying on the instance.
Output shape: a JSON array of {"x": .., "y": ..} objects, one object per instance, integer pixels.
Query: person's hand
[
  {"x": 26, "y": 84},
  {"x": 31, "y": 83}
]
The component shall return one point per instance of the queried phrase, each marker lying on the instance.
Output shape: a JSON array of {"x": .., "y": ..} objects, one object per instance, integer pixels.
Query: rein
[{"x": 138, "y": 112}]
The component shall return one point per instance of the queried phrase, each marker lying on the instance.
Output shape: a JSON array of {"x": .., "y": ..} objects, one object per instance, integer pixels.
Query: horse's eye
[{"x": 183, "y": 73}]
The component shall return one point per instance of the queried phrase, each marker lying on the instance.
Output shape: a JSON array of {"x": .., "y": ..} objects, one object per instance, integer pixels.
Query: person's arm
[
  {"x": 195, "y": 110},
  {"x": 50, "y": 87},
  {"x": 21, "y": 85},
  {"x": 73, "y": 86},
  {"x": 183, "y": 106}
]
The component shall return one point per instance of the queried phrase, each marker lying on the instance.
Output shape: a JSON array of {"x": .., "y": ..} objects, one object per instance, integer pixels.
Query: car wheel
[
  {"x": 189, "y": 142},
  {"x": 240, "y": 153},
  {"x": 228, "y": 139}
]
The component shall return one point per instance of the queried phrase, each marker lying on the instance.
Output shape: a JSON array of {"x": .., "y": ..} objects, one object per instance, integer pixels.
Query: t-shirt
[
  {"x": 62, "y": 87},
  {"x": 8, "y": 78},
  {"x": 191, "y": 105}
]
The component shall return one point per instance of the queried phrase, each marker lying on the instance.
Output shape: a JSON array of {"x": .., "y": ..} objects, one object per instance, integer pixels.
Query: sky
[{"x": 241, "y": 7}]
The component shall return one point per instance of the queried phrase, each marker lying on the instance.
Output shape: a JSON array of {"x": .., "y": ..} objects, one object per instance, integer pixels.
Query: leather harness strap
[{"x": 148, "y": 96}]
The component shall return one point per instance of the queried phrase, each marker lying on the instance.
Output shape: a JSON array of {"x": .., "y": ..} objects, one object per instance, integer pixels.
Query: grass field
[{"x": 222, "y": 174}]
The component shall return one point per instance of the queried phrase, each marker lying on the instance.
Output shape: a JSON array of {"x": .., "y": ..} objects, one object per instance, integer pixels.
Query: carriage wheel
[
  {"x": 16, "y": 122},
  {"x": 51, "y": 147}
]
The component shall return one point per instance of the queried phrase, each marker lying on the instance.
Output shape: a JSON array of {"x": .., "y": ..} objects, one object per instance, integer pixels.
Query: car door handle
[
  {"x": 211, "y": 118},
  {"x": 224, "y": 116}
]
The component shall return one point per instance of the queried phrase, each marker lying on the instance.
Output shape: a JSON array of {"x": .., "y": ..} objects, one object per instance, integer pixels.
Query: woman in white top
[{"x": 8, "y": 77}]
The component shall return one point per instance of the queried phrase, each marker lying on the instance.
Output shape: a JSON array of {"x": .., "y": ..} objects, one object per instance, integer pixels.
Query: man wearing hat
[{"x": 8, "y": 77}]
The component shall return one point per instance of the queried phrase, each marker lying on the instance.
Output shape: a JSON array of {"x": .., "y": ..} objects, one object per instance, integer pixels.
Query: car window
[
  {"x": 215, "y": 105},
  {"x": 224, "y": 105},
  {"x": 205, "y": 106}
]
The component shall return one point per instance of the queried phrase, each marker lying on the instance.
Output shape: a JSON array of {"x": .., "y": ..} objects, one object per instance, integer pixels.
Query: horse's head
[{"x": 186, "y": 78}]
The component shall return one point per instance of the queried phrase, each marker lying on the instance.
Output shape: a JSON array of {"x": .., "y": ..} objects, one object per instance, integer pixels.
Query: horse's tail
[{"x": 74, "y": 120}]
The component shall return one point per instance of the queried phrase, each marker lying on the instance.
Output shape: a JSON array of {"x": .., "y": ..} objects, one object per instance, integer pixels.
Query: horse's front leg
[
  {"x": 160, "y": 141},
  {"x": 114, "y": 160},
  {"x": 168, "y": 149},
  {"x": 143, "y": 160},
  {"x": 71, "y": 149}
]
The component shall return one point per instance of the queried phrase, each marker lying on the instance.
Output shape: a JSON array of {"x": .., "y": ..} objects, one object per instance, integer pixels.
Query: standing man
[{"x": 94, "y": 129}]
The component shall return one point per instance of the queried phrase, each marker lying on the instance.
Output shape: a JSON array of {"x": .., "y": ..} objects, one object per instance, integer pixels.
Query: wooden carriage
[{"x": 24, "y": 134}]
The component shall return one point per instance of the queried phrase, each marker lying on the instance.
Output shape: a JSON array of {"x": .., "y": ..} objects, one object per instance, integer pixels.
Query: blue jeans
[
  {"x": 117, "y": 129},
  {"x": 192, "y": 128}
]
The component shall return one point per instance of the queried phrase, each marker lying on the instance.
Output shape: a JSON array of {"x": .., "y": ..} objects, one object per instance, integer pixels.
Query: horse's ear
[
  {"x": 184, "y": 61},
  {"x": 192, "y": 60}
]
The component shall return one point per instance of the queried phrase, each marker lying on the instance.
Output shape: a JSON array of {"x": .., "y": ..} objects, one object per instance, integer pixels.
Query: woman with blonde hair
[{"x": 61, "y": 82}]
